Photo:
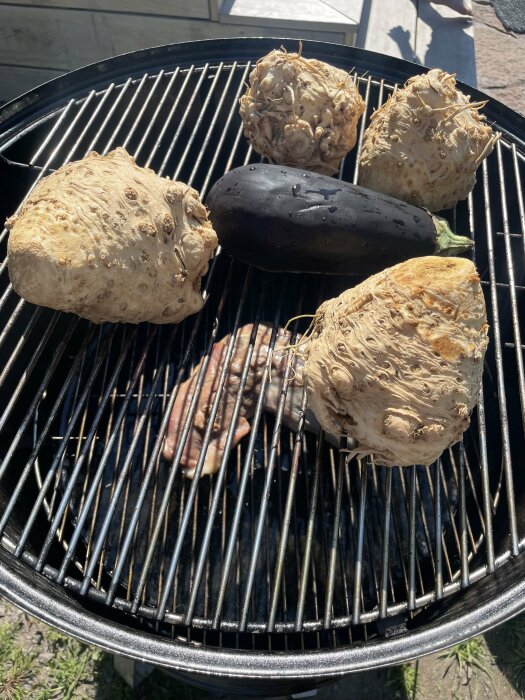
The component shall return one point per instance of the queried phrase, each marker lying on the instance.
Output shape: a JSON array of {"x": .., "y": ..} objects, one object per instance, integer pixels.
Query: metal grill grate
[{"x": 287, "y": 540}]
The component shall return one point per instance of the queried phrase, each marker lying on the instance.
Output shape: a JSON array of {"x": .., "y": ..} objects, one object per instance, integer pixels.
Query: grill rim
[
  {"x": 75, "y": 83},
  {"x": 173, "y": 654},
  {"x": 114, "y": 637}
]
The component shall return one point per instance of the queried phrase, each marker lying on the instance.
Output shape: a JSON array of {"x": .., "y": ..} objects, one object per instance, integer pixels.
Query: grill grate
[{"x": 287, "y": 540}]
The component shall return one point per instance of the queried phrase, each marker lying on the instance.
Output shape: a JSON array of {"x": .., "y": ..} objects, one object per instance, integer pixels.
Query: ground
[{"x": 39, "y": 663}]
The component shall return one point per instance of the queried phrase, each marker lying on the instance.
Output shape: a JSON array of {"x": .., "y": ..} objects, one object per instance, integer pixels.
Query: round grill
[{"x": 336, "y": 565}]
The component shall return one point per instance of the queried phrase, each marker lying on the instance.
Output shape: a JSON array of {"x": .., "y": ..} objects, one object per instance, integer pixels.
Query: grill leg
[{"x": 133, "y": 672}]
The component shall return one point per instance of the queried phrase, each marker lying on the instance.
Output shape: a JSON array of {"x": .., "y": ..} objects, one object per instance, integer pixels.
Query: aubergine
[{"x": 290, "y": 220}]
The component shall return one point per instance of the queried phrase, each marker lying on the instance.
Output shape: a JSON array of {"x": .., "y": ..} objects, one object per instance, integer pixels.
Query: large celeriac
[
  {"x": 425, "y": 143},
  {"x": 396, "y": 362},
  {"x": 301, "y": 112},
  {"x": 111, "y": 241}
]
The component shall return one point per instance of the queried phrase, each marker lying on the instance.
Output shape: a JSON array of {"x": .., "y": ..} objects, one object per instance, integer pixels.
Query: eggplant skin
[{"x": 290, "y": 220}]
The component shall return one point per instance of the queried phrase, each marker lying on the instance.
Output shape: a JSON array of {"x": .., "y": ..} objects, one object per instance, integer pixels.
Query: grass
[
  {"x": 39, "y": 663},
  {"x": 466, "y": 658},
  {"x": 22, "y": 676},
  {"x": 68, "y": 667},
  {"x": 403, "y": 681},
  {"x": 15, "y": 664}
]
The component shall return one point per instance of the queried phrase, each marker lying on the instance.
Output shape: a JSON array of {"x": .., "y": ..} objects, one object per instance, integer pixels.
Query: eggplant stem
[{"x": 448, "y": 242}]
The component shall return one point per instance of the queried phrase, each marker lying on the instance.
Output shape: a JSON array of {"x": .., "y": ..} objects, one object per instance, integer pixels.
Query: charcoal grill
[{"x": 290, "y": 567}]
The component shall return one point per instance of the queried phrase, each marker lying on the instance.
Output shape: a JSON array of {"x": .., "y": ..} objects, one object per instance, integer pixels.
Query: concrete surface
[{"x": 500, "y": 57}]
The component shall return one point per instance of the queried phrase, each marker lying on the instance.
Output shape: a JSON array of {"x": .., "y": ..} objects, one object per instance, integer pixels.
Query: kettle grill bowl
[{"x": 290, "y": 567}]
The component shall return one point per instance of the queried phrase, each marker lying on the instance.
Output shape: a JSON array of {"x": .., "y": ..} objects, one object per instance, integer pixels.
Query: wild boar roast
[
  {"x": 425, "y": 143},
  {"x": 396, "y": 362},
  {"x": 301, "y": 112},
  {"x": 110, "y": 241}
]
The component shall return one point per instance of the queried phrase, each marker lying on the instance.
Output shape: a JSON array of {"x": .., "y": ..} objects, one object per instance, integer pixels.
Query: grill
[{"x": 290, "y": 566}]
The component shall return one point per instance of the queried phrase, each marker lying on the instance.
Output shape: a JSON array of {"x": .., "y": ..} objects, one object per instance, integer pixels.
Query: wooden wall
[{"x": 40, "y": 40}]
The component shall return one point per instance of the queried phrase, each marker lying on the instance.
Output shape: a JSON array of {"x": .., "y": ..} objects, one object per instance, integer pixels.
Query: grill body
[{"x": 290, "y": 567}]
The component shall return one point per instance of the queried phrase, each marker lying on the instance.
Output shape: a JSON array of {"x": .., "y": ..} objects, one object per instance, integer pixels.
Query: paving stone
[{"x": 500, "y": 58}]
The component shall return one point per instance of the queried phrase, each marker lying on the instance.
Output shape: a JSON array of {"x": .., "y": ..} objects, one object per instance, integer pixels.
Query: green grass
[
  {"x": 468, "y": 656},
  {"x": 403, "y": 681},
  {"x": 7, "y": 633},
  {"x": 16, "y": 664},
  {"x": 468, "y": 660},
  {"x": 68, "y": 667},
  {"x": 58, "y": 667},
  {"x": 22, "y": 676}
]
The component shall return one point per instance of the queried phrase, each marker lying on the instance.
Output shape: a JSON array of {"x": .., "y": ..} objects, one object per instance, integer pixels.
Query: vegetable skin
[
  {"x": 396, "y": 362},
  {"x": 286, "y": 219},
  {"x": 301, "y": 112},
  {"x": 110, "y": 241},
  {"x": 425, "y": 143}
]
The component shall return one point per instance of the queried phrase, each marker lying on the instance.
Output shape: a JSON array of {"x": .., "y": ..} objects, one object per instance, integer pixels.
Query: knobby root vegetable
[
  {"x": 301, "y": 112},
  {"x": 425, "y": 143},
  {"x": 396, "y": 362},
  {"x": 110, "y": 241}
]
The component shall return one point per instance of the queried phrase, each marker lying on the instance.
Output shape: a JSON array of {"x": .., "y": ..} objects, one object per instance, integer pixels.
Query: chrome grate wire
[{"x": 287, "y": 540}]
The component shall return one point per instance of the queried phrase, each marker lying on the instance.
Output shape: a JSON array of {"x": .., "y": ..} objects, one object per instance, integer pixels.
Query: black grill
[{"x": 288, "y": 548}]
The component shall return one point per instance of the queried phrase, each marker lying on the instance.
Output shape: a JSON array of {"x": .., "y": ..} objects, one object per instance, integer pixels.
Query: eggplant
[{"x": 290, "y": 220}]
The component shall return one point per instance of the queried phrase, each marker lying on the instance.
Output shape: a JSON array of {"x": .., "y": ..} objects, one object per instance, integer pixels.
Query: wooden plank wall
[{"x": 39, "y": 41}]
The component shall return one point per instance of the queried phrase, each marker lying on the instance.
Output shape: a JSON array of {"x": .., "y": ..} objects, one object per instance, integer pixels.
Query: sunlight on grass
[
  {"x": 468, "y": 660},
  {"x": 68, "y": 667},
  {"x": 58, "y": 667},
  {"x": 21, "y": 677},
  {"x": 16, "y": 665}
]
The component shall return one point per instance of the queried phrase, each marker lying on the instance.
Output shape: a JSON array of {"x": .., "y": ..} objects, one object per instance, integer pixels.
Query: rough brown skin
[
  {"x": 110, "y": 241},
  {"x": 396, "y": 362},
  {"x": 425, "y": 143},
  {"x": 301, "y": 112}
]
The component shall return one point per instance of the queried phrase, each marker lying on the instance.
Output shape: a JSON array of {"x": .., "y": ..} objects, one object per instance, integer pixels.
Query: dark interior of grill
[{"x": 289, "y": 547}]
